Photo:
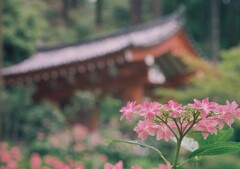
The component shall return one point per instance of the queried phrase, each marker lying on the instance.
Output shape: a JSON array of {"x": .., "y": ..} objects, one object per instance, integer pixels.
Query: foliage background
[{"x": 29, "y": 25}]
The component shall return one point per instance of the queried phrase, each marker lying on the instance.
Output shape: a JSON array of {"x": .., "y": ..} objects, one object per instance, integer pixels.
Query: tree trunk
[
  {"x": 65, "y": 9},
  {"x": 135, "y": 11},
  {"x": 1, "y": 65},
  {"x": 74, "y": 3},
  {"x": 234, "y": 34},
  {"x": 215, "y": 29},
  {"x": 98, "y": 13},
  {"x": 156, "y": 10}
]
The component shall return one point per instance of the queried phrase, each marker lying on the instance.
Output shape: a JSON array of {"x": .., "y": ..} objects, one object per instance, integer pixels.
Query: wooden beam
[
  {"x": 177, "y": 45},
  {"x": 126, "y": 75}
]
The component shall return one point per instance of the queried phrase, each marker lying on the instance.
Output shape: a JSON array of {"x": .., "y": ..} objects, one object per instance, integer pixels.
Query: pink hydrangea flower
[
  {"x": 167, "y": 166},
  {"x": 205, "y": 106},
  {"x": 175, "y": 108},
  {"x": 174, "y": 120},
  {"x": 163, "y": 132},
  {"x": 5, "y": 156},
  {"x": 53, "y": 162},
  {"x": 206, "y": 126},
  {"x": 150, "y": 109},
  {"x": 35, "y": 161},
  {"x": 118, "y": 165},
  {"x": 16, "y": 154},
  {"x": 128, "y": 111},
  {"x": 230, "y": 111},
  {"x": 145, "y": 128}
]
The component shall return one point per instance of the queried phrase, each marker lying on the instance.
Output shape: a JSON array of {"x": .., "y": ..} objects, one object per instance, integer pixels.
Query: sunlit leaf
[
  {"x": 222, "y": 136},
  {"x": 216, "y": 149}
]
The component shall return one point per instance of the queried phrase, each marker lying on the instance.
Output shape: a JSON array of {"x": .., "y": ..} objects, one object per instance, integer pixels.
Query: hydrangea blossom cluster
[
  {"x": 119, "y": 165},
  {"x": 12, "y": 158},
  {"x": 176, "y": 120}
]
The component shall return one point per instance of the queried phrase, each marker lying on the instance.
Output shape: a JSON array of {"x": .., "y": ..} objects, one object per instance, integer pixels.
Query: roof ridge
[{"x": 143, "y": 35}]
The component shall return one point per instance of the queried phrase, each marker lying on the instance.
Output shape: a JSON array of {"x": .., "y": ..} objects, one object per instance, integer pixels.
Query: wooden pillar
[
  {"x": 134, "y": 93},
  {"x": 94, "y": 120}
]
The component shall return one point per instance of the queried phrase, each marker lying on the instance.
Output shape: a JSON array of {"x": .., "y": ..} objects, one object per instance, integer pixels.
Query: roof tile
[{"x": 144, "y": 35}]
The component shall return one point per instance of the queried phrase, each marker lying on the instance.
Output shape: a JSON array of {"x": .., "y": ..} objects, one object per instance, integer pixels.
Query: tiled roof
[{"x": 144, "y": 35}]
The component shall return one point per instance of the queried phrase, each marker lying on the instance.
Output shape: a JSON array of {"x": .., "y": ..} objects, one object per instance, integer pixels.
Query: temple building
[{"x": 128, "y": 64}]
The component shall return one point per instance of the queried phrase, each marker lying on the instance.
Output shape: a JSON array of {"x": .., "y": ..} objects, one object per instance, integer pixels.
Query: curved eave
[{"x": 142, "y": 36}]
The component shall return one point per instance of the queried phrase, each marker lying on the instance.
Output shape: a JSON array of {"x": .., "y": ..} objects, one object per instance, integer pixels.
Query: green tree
[
  {"x": 219, "y": 82},
  {"x": 80, "y": 106},
  {"x": 24, "y": 119},
  {"x": 21, "y": 26}
]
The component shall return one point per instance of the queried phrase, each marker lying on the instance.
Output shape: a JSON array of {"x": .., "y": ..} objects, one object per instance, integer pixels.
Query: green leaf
[
  {"x": 142, "y": 145},
  {"x": 222, "y": 136},
  {"x": 216, "y": 149}
]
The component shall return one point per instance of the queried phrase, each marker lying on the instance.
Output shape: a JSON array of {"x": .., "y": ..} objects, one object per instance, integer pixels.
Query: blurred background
[{"x": 54, "y": 121}]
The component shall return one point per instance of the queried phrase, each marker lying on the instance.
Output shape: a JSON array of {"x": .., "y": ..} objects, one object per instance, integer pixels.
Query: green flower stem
[
  {"x": 197, "y": 162},
  {"x": 182, "y": 134},
  {"x": 184, "y": 162},
  {"x": 174, "y": 133},
  {"x": 142, "y": 145},
  {"x": 179, "y": 141},
  {"x": 178, "y": 128},
  {"x": 195, "y": 120}
]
